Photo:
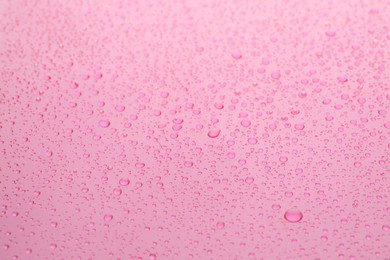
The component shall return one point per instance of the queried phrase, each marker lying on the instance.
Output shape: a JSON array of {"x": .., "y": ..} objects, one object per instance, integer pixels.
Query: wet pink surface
[{"x": 194, "y": 129}]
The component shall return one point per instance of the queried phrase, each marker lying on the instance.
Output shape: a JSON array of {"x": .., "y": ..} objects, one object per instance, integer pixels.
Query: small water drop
[
  {"x": 104, "y": 123},
  {"x": 237, "y": 55},
  {"x": 293, "y": 215},
  {"x": 214, "y": 133}
]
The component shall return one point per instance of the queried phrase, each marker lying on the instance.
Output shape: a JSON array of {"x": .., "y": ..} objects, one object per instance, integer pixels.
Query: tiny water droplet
[
  {"x": 293, "y": 215},
  {"x": 214, "y": 133}
]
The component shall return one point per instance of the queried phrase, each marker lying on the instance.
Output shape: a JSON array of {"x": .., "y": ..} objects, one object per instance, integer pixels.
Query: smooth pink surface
[{"x": 194, "y": 129}]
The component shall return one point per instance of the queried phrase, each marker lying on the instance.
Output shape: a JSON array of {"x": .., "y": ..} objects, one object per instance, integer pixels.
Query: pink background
[{"x": 187, "y": 129}]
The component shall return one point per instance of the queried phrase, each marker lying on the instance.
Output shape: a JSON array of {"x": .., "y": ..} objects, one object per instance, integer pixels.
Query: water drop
[
  {"x": 214, "y": 133},
  {"x": 293, "y": 215}
]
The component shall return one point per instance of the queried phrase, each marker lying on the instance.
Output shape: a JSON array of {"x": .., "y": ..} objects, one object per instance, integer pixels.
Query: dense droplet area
[{"x": 194, "y": 129}]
